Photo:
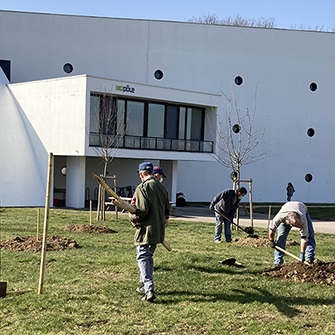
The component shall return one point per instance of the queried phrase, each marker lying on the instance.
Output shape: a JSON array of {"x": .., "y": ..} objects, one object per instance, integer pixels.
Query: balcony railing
[{"x": 154, "y": 143}]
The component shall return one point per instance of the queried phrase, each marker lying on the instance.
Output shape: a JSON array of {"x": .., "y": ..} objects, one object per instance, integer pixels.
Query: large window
[
  {"x": 194, "y": 128},
  {"x": 156, "y": 120},
  {"x": 149, "y": 125},
  {"x": 135, "y": 118},
  {"x": 171, "y": 122}
]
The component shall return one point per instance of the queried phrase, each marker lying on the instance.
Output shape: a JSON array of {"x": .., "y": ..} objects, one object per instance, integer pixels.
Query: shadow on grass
[
  {"x": 227, "y": 269},
  {"x": 284, "y": 305},
  {"x": 231, "y": 270}
]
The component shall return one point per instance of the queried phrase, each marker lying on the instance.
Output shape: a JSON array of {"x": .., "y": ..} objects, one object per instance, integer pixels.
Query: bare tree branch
[
  {"x": 240, "y": 139},
  {"x": 236, "y": 20},
  {"x": 108, "y": 132}
]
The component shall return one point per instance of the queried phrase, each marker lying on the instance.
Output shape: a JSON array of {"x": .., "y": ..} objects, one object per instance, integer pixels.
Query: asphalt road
[{"x": 203, "y": 214}]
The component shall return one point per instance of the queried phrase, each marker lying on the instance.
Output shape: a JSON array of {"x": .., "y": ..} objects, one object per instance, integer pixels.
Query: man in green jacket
[{"x": 150, "y": 220}]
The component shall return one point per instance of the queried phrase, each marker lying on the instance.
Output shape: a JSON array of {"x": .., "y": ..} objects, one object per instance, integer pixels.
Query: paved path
[{"x": 203, "y": 214}]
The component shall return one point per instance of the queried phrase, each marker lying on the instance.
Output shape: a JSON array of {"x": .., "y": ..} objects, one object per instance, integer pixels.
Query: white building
[{"x": 168, "y": 80}]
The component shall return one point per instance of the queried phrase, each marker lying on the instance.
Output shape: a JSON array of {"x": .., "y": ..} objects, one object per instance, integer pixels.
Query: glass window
[
  {"x": 147, "y": 125},
  {"x": 155, "y": 120},
  {"x": 120, "y": 128},
  {"x": 5, "y": 65},
  {"x": 171, "y": 121},
  {"x": 107, "y": 114},
  {"x": 94, "y": 113},
  {"x": 194, "y": 127},
  {"x": 182, "y": 120},
  {"x": 135, "y": 118}
]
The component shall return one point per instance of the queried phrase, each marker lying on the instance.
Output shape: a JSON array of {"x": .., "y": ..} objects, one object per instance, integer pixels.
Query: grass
[{"x": 92, "y": 290}]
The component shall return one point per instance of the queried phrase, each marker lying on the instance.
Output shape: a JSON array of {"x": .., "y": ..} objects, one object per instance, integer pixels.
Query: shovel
[
  {"x": 293, "y": 256},
  {"x": 230, "y": 261},
  {"x": 248, "y": 230}
]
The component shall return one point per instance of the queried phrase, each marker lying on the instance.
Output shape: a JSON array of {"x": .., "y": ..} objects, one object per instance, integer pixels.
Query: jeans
[
  {"x": 146, "y": 265},
  {"x": 283, "y": 231},
  {"x": 220, "y": 220}
]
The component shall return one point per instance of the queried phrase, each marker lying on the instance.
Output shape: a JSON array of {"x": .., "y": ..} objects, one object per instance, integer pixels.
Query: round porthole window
[
  {"x": 313, "y": 87},
  {"x": 63, "y": 170},
  {"x": 158, "y": 74},
  {"x": 68, "y": 68},
  {"x": 238, "y": 80},
  {"x": 308, "y": 177},
  {"x": 310, "y": 132},
  {"x": 236, "y": 128}
]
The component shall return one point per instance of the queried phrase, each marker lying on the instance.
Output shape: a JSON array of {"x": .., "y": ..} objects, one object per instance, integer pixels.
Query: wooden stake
[
  {"x": 98, "y": 205},
  {"x": 115, "y": 190},
  {"x": 90, "y": 212},
  {"x": 19, "y": 292},
  {"x": 250, "y": 201},
  {"x": 38, "y": 224},
  {"x": 269, "y": 217},
  {"x": 46, "y": 222}
]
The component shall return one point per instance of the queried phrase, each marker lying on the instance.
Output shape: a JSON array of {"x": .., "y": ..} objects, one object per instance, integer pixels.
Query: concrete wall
[
  {"x": 22, "y": 182},
  {"x": 280, "y": 64},
  {"x": 56, "y": 111}
]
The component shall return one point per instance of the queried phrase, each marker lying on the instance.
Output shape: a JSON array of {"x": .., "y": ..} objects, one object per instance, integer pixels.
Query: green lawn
[{"x": 92, "y": 290}]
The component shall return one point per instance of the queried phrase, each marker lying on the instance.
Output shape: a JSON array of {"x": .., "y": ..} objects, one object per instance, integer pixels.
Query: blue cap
[
  {"x": 158, "y": 169},
  {"x": 145, "y": 166}
]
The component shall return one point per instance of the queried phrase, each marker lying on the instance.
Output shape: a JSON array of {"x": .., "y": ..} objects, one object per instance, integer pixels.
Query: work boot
[
  {"x": 310, "y": 261},
  {"x": 140, "y": 290},
  {"x": 149, "y": 296},
  {"x": 278, "y": 266}
]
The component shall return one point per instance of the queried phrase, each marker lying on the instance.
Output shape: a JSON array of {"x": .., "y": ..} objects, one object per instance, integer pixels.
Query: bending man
[
  {"x": 226, "y": 203},
  {"x": 293, "y": 214}
]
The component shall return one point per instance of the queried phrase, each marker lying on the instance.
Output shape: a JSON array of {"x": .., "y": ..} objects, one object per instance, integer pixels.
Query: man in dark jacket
[
  {"x": 226, "y": 203},
  {"x": 150, "y": 220}
]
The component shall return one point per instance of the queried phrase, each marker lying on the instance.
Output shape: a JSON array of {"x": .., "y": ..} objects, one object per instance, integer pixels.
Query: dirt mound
[
  {"x": 318, "y": 273},
  {"x": 251, "y": 241},
  {"x": 29, "y": 243},
  {"x": 86, "y": 228}
]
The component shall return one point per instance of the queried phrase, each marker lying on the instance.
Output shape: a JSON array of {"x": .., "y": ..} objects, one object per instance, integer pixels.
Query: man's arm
[
  {"x": 271, "y": 235},
  {"x": 142, "y": 205},
  {"x": 275, "y": 222},
  {"x": 303, "y": 246}
]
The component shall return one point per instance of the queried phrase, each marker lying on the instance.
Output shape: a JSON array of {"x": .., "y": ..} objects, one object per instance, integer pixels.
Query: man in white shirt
[{"x": 293, "y": 214}]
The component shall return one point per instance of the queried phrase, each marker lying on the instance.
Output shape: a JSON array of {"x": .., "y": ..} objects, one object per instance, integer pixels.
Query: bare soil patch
[
  {"x": 318, "y": 273},
  {"x": 86, "y": 228},
  {"x": 29, "y": 243},
  {"x": 251, "y": 241}
]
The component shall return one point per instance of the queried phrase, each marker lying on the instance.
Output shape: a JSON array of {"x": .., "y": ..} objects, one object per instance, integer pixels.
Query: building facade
[{"x": 168, "y": 85}]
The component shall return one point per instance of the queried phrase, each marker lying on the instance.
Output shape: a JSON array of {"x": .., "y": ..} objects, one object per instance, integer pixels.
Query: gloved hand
[
  {"x": 302, "y": 257},
  {"x": 272, "y": 244}
]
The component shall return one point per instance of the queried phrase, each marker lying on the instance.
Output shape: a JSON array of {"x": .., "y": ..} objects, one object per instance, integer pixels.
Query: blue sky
[{"x": 309, "y": 13}]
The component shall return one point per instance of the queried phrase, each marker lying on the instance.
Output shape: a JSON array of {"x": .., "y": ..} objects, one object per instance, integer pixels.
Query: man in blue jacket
[{"x": 226, "y": 202}]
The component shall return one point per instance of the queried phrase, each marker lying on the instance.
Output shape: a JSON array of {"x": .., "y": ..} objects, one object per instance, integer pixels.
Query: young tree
[
  {"x": 239, "y": 139},
  {"x": 107, "y": 131}
]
